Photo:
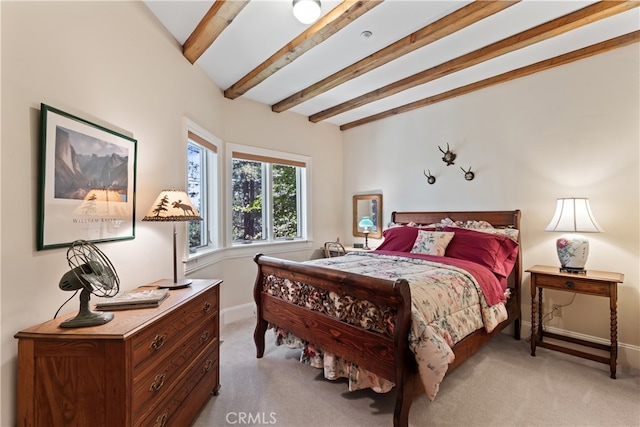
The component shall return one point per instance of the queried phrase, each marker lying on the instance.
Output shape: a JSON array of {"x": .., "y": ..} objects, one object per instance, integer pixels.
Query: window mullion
[
  {"x": 211, "y": 172},
  {"x": 301, "y": 216},
  {"x": 204, "y": 179},
  {"x": 267, "y": 208}
]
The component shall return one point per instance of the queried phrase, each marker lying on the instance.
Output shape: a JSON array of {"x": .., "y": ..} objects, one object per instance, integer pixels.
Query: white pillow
[{"x": 432, "y": 242}]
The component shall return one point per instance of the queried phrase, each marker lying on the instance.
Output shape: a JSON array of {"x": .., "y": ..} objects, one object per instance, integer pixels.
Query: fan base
[
  {"x": 170, "y": 284},
  {"x": 87, "y": 319}
]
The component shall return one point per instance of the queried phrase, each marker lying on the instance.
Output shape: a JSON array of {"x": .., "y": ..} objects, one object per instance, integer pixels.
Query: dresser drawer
[
  {"x": 157, "y": 379},
  {"x": 166, "y": 334},
  {"x": 199, "y": 382},
  {"x": 577, "y": 284}
]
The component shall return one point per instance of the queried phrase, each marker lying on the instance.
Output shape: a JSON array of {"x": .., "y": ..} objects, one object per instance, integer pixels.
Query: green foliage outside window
[
  {"x": 195, "y": 183},
  {"x": 248, "y": 216},
  {"x": 247, "y": 200},
  {"x": 285, "y": 202}
]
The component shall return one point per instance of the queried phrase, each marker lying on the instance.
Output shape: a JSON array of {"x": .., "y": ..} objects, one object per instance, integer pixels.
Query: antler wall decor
[
  {"x": 449, "y": 156},
  {"x": 468, "y": 175},
  {"x": 430, "y": 178}
]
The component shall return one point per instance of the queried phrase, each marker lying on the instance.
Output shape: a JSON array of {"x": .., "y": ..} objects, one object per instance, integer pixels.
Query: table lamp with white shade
[{"x": 573, "y": 216}]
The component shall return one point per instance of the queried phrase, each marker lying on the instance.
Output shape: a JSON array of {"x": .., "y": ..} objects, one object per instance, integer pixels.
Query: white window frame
[
  {"x": 212, "y": 144},
  {"x": 304, "y": 222}
]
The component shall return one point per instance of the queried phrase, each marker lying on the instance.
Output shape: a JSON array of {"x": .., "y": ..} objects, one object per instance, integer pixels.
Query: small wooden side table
[{"x": 597, "y": 283}]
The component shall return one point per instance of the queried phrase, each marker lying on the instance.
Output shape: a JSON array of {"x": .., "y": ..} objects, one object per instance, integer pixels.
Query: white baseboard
[{"x": 238, "y": 312}]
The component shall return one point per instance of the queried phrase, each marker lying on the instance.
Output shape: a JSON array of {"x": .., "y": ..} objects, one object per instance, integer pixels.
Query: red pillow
[
  {"x": 498, "y": 253},
  {"x": 400, "y": 239}
]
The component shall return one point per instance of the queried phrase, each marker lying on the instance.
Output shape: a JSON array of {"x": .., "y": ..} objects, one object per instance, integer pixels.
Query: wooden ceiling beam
[
  {"x": 219, "y": 16},
  {"x": 455, "y": 21},
  {"x": 547, "y": 64},
  {"x": 341, "y": 16},
  {"x": 526, "y": 38}
]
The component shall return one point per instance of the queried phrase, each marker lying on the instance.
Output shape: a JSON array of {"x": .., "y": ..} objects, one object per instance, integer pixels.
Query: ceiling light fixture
[{"x": 306, "y": 11}]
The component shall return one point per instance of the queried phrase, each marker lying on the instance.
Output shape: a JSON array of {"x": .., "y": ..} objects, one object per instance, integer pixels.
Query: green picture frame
[{"x": 87, "y": 181}]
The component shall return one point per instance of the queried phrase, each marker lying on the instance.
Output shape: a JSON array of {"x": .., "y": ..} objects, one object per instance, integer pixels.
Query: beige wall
[
  {"x": 573, "y": 131},
  {"x": 529, "y": 142},
  {"x": 113, "y": 63}
]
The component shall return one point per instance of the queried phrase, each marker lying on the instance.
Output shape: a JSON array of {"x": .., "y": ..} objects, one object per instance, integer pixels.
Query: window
[
  {"x": 202, "y": 183},
  {"x": 268, "y": 195}
]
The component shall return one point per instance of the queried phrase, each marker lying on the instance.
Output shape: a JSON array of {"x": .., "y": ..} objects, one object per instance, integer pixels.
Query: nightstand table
[{"x": 597, "y": 283}]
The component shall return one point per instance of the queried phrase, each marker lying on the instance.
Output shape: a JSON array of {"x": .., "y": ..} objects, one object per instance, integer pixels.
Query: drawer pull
[
  {"x": 158, "y": 382},
  {"x": 206, "y": 307},
  {"x": 207, "y": 366},
  {"x": 204, "y": 337},
  {"x": 157, "y": 342},
  {"x": 569, "y": 285},
  {"x": 161, "y": 420}
]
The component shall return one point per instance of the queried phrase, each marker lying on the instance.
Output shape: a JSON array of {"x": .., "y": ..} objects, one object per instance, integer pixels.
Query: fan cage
[{"x": 85, "y": 254}]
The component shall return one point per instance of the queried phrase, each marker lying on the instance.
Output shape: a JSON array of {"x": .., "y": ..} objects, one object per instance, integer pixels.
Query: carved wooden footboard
[{"x": 386, "y": 355}]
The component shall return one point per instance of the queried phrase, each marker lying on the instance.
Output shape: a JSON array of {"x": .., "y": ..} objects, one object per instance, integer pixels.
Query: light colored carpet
[{"x": 502, "y": 385}]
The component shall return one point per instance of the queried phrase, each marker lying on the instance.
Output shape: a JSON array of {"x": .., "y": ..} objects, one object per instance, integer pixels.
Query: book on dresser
[{"x": 147, "y": 298}]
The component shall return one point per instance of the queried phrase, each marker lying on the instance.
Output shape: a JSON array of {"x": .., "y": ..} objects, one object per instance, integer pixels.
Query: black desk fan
[{"x": 92, "y": 272}]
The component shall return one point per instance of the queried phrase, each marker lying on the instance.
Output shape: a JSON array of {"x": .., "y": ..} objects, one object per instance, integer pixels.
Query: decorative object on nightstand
[
  {"x": 173, "y": 205},
  {"x": 596, "y": 283},
  {"x": 366, "y": 224},
  {"x": 573, "y": 215}
]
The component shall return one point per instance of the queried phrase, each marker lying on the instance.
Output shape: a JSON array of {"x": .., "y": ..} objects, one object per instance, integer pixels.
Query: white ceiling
[{"x": 265, "y": 26}]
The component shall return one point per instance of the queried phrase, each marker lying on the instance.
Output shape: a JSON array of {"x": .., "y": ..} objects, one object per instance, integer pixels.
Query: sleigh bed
[{"x": 338, "y": 306}]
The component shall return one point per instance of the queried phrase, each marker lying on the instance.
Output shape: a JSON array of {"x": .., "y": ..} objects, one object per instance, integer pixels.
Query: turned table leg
[
  {"x": 533, "y": 319},
  {"x": 540, "y": 331},
  {"x": 614, "y": 333}
]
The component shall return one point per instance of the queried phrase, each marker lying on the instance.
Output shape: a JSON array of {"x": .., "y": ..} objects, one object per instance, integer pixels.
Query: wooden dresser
[{"x": 147, "y": 367}]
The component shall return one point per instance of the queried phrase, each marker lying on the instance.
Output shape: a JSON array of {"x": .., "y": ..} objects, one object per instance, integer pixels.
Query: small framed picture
[{"x": 87, "y": 181}]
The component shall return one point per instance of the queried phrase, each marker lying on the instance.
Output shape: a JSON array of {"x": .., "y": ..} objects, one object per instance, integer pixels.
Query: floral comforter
[{"x": 447, "y": 305}]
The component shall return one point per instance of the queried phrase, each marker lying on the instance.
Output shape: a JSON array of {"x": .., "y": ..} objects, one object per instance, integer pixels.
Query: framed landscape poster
[{"x": 87, "y": 181}]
